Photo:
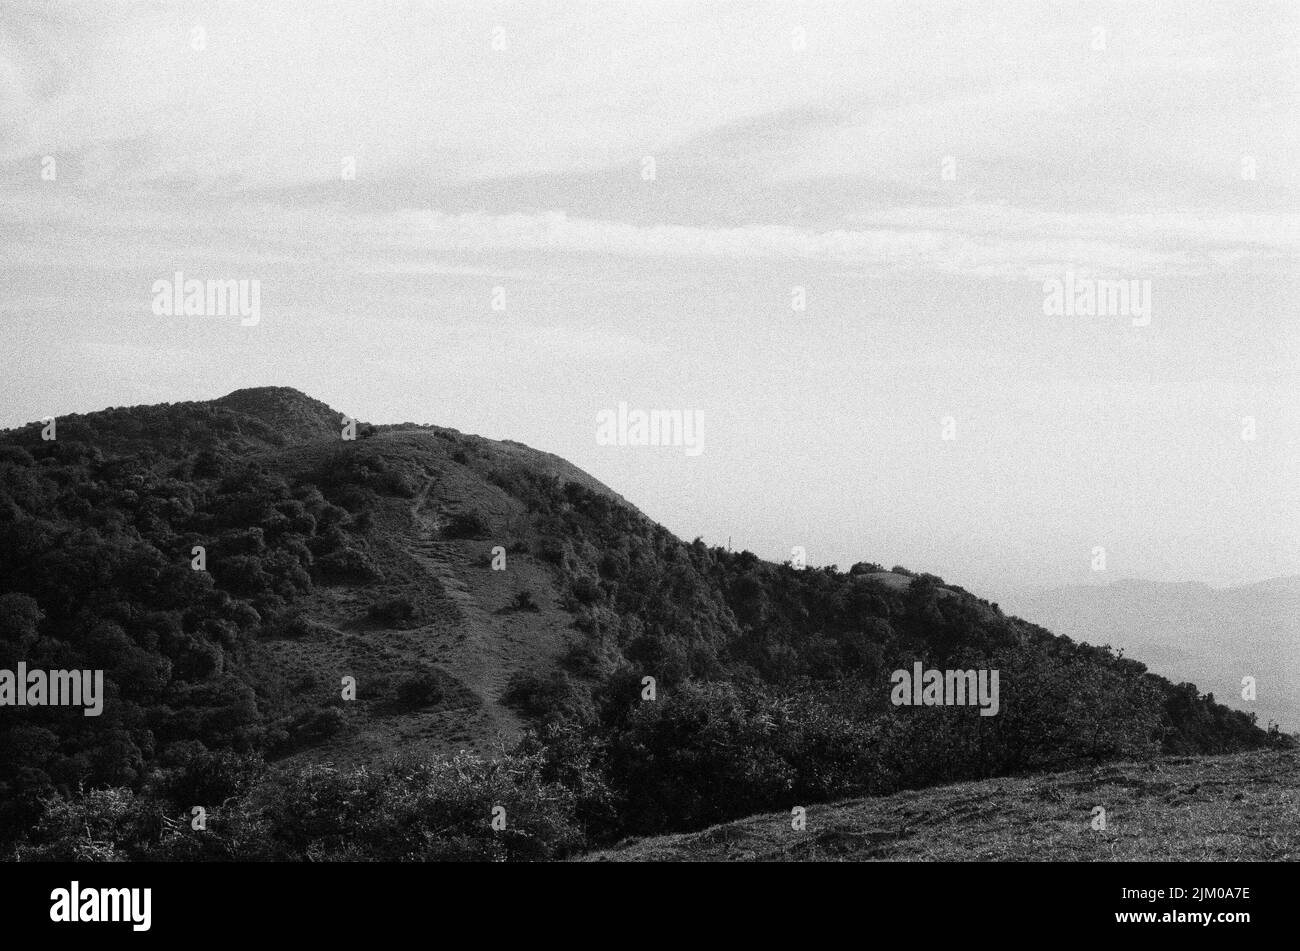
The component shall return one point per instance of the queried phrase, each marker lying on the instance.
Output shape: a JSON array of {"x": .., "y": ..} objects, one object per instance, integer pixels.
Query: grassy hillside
[
  {"x": 1243, "y": 807},
  {"x": 492, "y": 603}
]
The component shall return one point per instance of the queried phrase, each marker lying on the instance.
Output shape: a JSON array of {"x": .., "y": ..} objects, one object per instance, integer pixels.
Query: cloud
[
  {"x": 978, "y": 239},
  {"x": 418, "y": 94},
  {"x": 825, "y": 155}
]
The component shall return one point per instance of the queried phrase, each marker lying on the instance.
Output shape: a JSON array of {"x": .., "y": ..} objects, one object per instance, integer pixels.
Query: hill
[
  {"x": 1192, "y": 809},
  {"x": 284, "y": 615}
]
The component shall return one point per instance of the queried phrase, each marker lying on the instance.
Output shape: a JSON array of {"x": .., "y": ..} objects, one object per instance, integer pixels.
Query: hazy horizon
[{"x": 828, "y": 229}]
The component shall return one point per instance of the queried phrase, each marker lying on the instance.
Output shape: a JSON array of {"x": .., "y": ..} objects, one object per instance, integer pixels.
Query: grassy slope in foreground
[{"x": 1212, "y": 808}]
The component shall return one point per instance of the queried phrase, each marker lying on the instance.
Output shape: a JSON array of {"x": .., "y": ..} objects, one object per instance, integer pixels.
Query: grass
[{"x": 1195, "y": 809}]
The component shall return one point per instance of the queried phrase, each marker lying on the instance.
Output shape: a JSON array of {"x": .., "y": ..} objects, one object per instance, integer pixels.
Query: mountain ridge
[{"x": 487, "y": 599}]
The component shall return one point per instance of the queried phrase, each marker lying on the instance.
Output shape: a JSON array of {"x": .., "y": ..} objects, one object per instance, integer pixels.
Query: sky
[{"x": 829, "y": 230}]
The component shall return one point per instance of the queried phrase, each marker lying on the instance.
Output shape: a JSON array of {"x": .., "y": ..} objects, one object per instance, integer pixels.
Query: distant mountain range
[{"x": 1190, "y": 631}]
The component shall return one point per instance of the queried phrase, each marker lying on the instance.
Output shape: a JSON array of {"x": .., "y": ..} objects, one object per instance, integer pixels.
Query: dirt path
[{"x": 476, "y": 655}]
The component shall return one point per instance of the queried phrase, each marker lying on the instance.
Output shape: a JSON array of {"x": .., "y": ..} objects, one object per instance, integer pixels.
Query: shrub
[
  {"x": 195, "y": 775},
  {"x": 702, "y": 755},
  {"x": 97, "y": 825},
  {"x": 523, "y": 601},
  {"x": 348, "y": 564},
  {"x": 865, "y": 568},
  {"x": 319, "y": 724},
  {"x": 544, "y": 697},
  {"x": 419, "y": 690},
  {"x": 426, "y": 811},
  {"x": 465, "y": 525},
  {"x": 586, "y": 589},
  {"x": 301, "y": 627},
  {"x": 395, "y": 612}
]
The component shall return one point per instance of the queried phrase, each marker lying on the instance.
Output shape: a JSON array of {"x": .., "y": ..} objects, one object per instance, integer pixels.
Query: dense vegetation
[{"x": 770, "y": 683}]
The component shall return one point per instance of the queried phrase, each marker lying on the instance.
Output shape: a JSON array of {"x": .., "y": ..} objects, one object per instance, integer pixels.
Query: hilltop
[
  {"x": 412, "y": 595},
  {"x": 237, "y": 567}
]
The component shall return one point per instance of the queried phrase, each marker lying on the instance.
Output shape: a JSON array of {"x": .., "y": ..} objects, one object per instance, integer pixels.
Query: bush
[
  {"x": 348, "y": 564},
  {"x": 301, "y": 627},
  {"x": 546, "y": 697},
  {"x": 865, "y": 568},
  {"x": 395, "y": 612},
  {"x": 523, "y": 601},
  {"x": 419, "y": 690},
  {"x": 465, "y": 525},
  {"x": 702, "y": 756},
  {"x": 97, "y": 825},
  {"x": 426, "y": 811},
  {"x": 196, "y": 776},
  {"x": 586, "y": 589},
  {"x": 319, "y": 724}
]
